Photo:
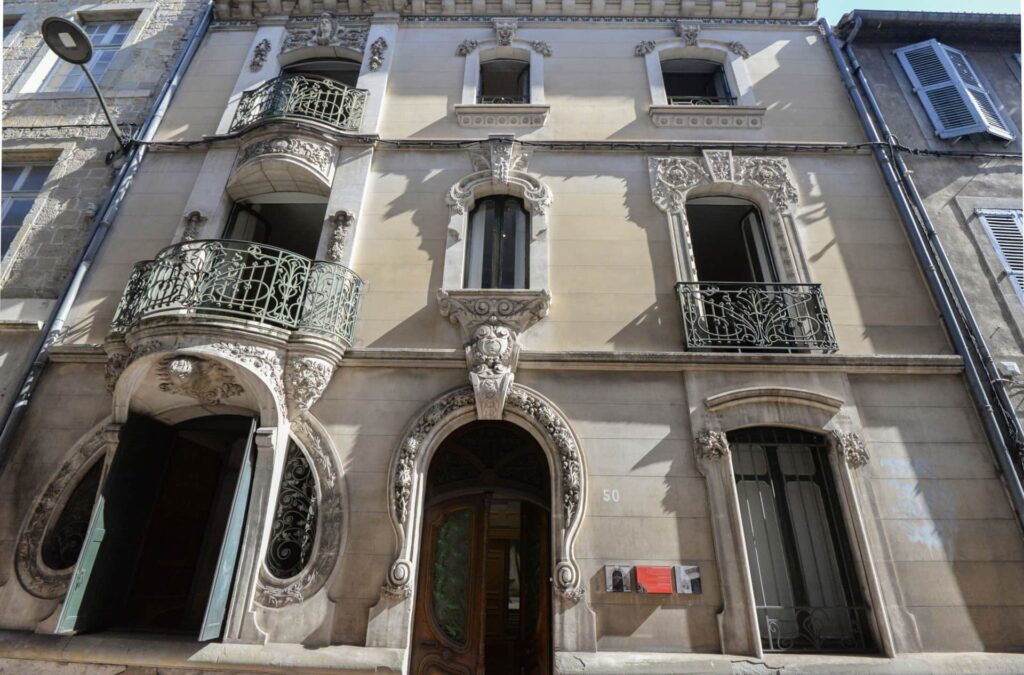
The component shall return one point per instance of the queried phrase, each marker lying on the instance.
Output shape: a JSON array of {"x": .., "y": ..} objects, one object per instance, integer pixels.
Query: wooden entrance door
[{"x": 484, "y": 591}]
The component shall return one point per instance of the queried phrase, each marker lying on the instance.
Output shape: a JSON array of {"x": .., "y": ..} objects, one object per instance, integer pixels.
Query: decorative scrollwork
[
  {"x": 755, "y": 316},
  {"x": 327, "y": 32},
  {"x": 259, "y": 55},
  {"x": 851, "y": 447},
  {"x": 466, "y": 47},
  {"x": 295, "y": 521},
  {"x": 644, "y": 48},
  {"x": 712, "y": 445},
  {"x": 377, "y": 50},
  {"x": 318, "y": 155},
  {"x": 505, "y": 31},
  {"x": 306, "y": 378},
  {"x": 310, "y": 97},
  {"x": 205, "y": 381}
]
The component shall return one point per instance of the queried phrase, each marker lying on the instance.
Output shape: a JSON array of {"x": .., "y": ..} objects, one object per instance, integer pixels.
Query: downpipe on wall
[
  {"x": 927, "y": 251},
  {"x": 15, "y": 412}
]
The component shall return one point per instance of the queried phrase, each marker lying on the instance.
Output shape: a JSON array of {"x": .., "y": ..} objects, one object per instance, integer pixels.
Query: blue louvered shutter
[
  {"x": 1006, "y": 230},
  {"x": 950, "y": 91}
]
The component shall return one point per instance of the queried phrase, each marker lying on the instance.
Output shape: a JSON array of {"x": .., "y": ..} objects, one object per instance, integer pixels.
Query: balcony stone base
[
  {"x": 707, "y": 116},
  {"x": 480, "y": 115}
]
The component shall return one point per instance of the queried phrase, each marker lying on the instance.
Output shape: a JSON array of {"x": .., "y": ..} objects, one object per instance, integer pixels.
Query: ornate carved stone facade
[
  {"x": 318, "y": 155},
  {"x": 712, "y": 445},
  {"x": 259, "y": 55},
  {"x": 328, "y": 31},
  {"x": 851, "y": 448},
  {"x": 341, "y": 224},
  {"x": 501, "y": 161},
  {"x": 207, "y": 382}
]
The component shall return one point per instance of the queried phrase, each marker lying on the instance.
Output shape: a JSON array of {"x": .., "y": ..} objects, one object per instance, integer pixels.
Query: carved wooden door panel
[
  {"x": 536, "y": 589},
  {"x": 449, "y": 625}
]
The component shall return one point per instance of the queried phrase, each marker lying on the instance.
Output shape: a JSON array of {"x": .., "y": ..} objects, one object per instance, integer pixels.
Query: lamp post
[{"x": 70, "y": 43}]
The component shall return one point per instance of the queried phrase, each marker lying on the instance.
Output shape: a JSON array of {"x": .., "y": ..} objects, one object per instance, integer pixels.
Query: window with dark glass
[
  {"x": 294, "y": 227},
  {"x": 498, "y": 244},
  {"x": 345, "y": 71},
  {"x": 805, "y": 587},
  {"x": 504, "y": 81},
  {"x": 21, "y": 185},
  {"x": 695, "y": 82},
  {"x": 729, "y": 241}
]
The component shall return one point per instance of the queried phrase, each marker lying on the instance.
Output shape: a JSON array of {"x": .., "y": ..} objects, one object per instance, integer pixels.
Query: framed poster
[
  {"x": 687, "y": 579},
  {"x": 617, "y": 579},
  {"x": 653, "y": 579}
]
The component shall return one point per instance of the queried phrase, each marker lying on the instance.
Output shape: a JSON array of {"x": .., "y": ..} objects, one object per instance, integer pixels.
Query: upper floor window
[
  {"x": 1006, "y": 230},
  {"x": 21, "y": 185},
  {"x": 292, "y": 226},
  {"x": 504, "y": 81},
  {"x": 695, "y": 82},
  {"x": 956, "y": 100},
  {"x": 107, "y": 37},
  {"x": 345, "y": 71},
  {"x": 729, "y": 241},
  {"x": 498, "y": 244}
]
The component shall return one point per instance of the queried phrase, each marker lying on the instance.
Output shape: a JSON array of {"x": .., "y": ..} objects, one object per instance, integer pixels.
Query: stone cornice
[{"x": 249, "y": 10}]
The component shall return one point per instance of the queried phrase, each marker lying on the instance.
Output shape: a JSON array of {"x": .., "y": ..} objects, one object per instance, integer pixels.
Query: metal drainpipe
[
  {"x": 906, "y": 176},
  {"x": 101, "y": 225},
  {"x": 935, "y": 283}
]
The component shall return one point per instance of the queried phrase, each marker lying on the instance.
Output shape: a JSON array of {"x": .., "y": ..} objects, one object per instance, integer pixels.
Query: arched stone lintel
[
  {"x": 353, "y": 53},
  {"x": 536, "y": 195},
  {"x": 781, "y": 395}
]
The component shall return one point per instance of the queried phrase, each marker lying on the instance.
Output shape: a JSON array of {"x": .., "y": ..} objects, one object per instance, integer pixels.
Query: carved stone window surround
[
  {"x": 469, "y": 113},
  {"x": 499, "y": 168},
  {"x": 390, "y": 619},
  {"x": 817, "y": 412},
  {"x": 765, "y": 181},
  {"x": 745, "y": 114}
]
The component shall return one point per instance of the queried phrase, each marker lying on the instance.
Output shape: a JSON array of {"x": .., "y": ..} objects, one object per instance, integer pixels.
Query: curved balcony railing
[
  {"x": 755, "y": 317},
  {"x": 701, "y": 100},
  {"x": 245, "y": 280},
  {"x": 307, "y": 97}
]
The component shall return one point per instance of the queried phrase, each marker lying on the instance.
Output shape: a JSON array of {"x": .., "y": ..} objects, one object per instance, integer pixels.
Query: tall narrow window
[
  {"x": 498, "y": 244},
  {"x": 107, "y": 37},
  {"x": 1006, "y": 230},
  {"x": 294, "y": 531},
  {"x": 21, "y": 185},
  {"x": 504, "y": 81},
  {"x": 805, "y": 587},
  {"x": 695, "y": 82},
  {"x": 729, "y": 241}
]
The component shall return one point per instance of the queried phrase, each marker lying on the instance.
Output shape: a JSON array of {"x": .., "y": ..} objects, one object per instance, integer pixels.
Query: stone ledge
[
  {"x": 707, "y": 116},
  {"x": 480, "y": 115}
]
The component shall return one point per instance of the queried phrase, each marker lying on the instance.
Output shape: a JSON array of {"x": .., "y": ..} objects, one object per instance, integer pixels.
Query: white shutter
[
  {"x": 950, "y": 91},
  {"x": 1006, "y": 230}
]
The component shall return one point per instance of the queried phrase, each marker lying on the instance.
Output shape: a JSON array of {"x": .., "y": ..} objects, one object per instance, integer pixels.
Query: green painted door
[
  {"x": 118, "y": 522},
  {"x": 220, "y": 592}
]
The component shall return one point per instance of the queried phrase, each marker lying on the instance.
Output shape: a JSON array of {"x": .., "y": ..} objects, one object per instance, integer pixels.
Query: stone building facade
[
  {"x": 469, "y": 336},
  {"x": 52, "y": 122}
]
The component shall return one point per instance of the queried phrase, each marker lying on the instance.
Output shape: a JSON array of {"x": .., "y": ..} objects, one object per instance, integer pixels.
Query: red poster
[{"x": 652, "y": 579}]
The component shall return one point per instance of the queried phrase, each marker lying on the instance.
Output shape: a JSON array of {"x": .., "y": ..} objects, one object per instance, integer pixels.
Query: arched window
[
  {"x": 498, "y": 245},
  {"x": 805, "y": 587},
  {"x": 695, "y": 82},
  {"x": 729, "y": 240},
  {"x": 345, "y": 71},
  {"x": 504, "y": 81}
]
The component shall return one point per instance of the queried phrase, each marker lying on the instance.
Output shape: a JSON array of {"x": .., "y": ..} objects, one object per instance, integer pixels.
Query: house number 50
[{"x": 610, "y": 495}]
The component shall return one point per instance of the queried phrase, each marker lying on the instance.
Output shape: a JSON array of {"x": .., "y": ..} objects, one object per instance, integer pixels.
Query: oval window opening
[
  {"x": 294, "y": 530},
  {"x": 63, "y": 541}
]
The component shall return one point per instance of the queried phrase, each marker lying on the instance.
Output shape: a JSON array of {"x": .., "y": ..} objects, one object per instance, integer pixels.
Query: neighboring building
[
  {"x": 55, "y": 141},
  {"x": 515, "y": 337},
  {"x": 948, "y": 86}
]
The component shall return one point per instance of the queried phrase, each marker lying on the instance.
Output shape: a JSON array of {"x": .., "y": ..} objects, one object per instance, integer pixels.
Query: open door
[
  {"x": 117, "y": 526},
  {"x": 220, "y": 593}
]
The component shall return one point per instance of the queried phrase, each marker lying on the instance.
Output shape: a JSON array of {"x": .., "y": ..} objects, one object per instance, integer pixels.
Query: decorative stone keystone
[
  {"x": 492, "y": 321},
  {"x": 712, "y": 445},
  {"x": 850, "y": 447}
]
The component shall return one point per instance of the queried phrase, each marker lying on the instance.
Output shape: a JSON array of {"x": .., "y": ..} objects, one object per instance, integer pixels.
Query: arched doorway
[{"x": 484, "y": 591}]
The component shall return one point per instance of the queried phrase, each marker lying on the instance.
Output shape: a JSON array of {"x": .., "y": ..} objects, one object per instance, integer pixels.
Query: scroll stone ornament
[
  {"x": 673, "y": 177},
  {"x": 377, "y": 50},
  {"x": 492, "y": 322},
  {"x": 319, "y": 155},
  {"x": 259, "y": 55},
  {"x": 542, "y": 48},
  {"x": 645, "y": 48},
  {"x": 305, "y": 380},
  {"x": 505, "y": 31},
  {"x": 712, "y": 445},
  {"x": 850, "y": 447},
  {"x": 466, "y": 47},
  {"x": 719, "y": 163}
]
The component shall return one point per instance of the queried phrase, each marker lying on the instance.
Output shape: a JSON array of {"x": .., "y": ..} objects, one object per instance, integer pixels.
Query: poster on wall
[
  {"x": 687, "y": 579},
  {"x": 653, "y": 579},
  {"x": 617, "y": 578}
]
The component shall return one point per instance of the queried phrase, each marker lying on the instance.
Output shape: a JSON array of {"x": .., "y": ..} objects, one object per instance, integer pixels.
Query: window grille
[
  {"x": 805, "y": 588},
  {"x": 951, "y": 92},
  {"x": 107, "y": 37},
  {"x": 1006, "y": 230},
  {"x": 21, "y": 185}
]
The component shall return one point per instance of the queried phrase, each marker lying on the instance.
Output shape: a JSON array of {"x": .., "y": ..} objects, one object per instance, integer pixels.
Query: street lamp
[{"x": 70, "y": 43}]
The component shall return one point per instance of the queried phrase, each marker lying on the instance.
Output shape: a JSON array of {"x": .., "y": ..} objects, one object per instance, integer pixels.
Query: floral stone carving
[
  {"x": 850, "y": 447},
  {"x": 207, "y": 382},
  {"x": 319, "y": 155},
  {"x": 341, "y": 223},
  {"x": 712, "y": 445},
  {"x": 409, "y": 467},
  {"x": 377, "y": 50},
  {"x": 673, "y": 177},
  {"x": 492, "y": 322},
  {"x": 305, "y": 380},
  {"x": 505, "y": 31},
  {"x": 500, "y": 161},
  {"x": 259, "y": 55},
  {"x": 466, "y": 47}
]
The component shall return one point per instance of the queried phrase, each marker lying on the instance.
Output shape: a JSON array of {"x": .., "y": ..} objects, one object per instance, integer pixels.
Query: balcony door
[
  {"x": 164, "y": 537},
  {"x": 484, "y": 591},
  {"x": 729, "y": 241}
]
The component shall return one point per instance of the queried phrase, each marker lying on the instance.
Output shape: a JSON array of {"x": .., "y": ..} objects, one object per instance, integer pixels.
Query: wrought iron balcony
[
  {"x": 503, "y": 100},
  {"x": 241, "y": 279},
  {"x": 304, "y": 97},
  {"x": 701, "y": 100},
  {"x": 755, "y": 317},
  {"x": 814, "y": 629}
]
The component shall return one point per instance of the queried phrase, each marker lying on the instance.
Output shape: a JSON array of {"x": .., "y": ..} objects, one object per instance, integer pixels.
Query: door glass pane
[{"x": 450, "y": 587}]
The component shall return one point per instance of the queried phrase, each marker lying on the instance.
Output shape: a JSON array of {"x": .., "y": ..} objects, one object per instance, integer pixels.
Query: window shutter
[
  {"x": 950, "y": 91},
  {"x": 1006, "y": 230}
]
